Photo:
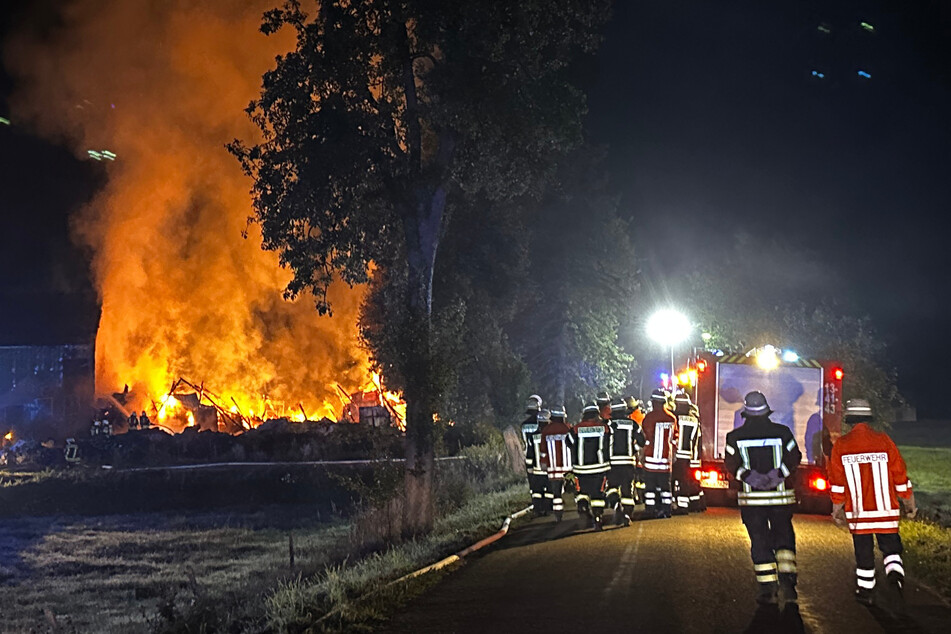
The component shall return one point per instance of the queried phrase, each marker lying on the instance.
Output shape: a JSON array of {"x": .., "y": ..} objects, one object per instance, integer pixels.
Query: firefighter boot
[
  {"x": 787, "y": 583},
  {"x": 897, "y": 581},
  {"x": 768, "y": 593},
  {"x": 558, "y": 515},
  {"x": 598, "y": 523},
  {"x": 619, "y": 515},
  {"x": 864, "y": 596}
]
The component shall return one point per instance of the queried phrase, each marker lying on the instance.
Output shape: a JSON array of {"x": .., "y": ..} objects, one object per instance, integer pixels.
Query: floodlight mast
[{"x": 668, "y": 327}]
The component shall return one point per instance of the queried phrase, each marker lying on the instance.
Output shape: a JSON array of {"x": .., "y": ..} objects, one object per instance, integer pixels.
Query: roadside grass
[
  {"x": 928, "y": 553},
  {"x": 356, "y": 597},
  {"x": 930, "y": 471}
]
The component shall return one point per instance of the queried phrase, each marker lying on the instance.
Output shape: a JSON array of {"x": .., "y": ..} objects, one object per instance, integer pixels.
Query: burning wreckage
[{"x": 190, "y": 405}]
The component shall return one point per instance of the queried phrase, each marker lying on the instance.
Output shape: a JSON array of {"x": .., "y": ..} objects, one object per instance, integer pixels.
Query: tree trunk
[{"x": 422, "y": 239}]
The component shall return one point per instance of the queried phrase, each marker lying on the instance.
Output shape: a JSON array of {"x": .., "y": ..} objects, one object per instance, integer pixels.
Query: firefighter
[
  {"x": 557, "y": 447},
  {"x": 591, "y": 464},
  {"x": 96, "y": 427},
  {"x": 537, "y": 476},
  {"x": 687, "y": 489},
  {"x": 144, "y": 421},
  {"x": 763, "y": 457},
  {"x": 870, "y": 488},
  {"x": 660, "y": 427},
  {"x": 133, "y": 421},
  {"x": 626, "y": 440}
]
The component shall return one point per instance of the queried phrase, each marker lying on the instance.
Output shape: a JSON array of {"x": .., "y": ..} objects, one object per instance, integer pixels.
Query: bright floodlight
[
  {"x": 767, "y": 357},
  {"x": 790, "y": 357},
  {"x": 668, "y": 327}
]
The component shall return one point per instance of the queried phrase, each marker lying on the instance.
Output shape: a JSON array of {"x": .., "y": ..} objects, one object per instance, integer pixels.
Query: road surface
[{"x": 685, "y": 574}]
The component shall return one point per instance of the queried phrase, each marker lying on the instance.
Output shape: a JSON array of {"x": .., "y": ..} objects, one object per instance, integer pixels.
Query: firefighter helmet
[
  {"x": 682, "y": 398},
  {"x": 618, "y": 407},
  {"x": 590, "y": 411},
  {"x": 660, "y": 394},
  {"x": 602, "y": 399},
  {"x": 857, "y": 409},
  {"x": 534, "y": 403},
  {"x": 558, "y": 412},
  {"x": 755, "y": 405},
  {"x": 632, "y": 403},
  {"x": 543, "y": 416}
]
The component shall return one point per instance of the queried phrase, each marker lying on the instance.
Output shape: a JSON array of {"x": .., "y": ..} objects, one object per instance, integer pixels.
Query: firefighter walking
[
  {"x": 763, "y": 457},
  {"x": 537, "y": 475},
  {"x": 687, "y": 489},
  {"x": 626, "y": 440},
  {"x": 557, "y": 447},
  {"x": 870, "y": 488},
  {"x": 659, "y": 429},
  {"x": 591, "y": 464}
]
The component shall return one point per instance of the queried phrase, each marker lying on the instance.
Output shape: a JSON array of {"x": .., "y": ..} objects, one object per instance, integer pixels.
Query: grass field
[
  {"x": 116, "y": 574},
  {"x": 228, "y": 569}
]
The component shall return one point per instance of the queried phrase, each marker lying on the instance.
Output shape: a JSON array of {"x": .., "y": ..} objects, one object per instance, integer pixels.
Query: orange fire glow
[{"x": 163, "y": 86}]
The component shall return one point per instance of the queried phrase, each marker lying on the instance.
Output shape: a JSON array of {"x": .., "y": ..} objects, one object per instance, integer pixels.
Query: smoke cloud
[{"x": 163, "y": 85}]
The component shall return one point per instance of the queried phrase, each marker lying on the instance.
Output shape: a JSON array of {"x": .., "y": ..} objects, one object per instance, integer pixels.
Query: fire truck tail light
[
  {"x": 701, "y": 366},
  {"x": 838, "y": 374},
  {"x": 819, "y": 483},
  {"x": 698, "y": 474}
]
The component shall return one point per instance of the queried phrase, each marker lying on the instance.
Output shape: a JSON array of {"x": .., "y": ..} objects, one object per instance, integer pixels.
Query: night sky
[{"x": 715, "y": 127}]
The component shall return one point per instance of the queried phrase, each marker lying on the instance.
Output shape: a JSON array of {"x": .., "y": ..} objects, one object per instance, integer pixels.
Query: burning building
[{"x": 185, "y": 288}]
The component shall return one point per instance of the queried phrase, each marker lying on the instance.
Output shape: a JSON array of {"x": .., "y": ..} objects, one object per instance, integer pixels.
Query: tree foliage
[{"x": 389, "y": 117}]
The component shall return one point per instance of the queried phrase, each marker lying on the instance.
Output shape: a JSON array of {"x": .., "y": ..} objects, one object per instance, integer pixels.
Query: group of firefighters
[
  {"x": 618, "y": 456},
  {"x": 102, "y": 426}
]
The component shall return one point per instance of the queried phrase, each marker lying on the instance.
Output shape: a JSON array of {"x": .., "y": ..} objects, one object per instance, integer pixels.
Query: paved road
[{"x": 685, "y": 574}]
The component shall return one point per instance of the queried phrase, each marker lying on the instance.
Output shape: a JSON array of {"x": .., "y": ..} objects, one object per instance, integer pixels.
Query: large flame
[{"x": 162, "y": 87}]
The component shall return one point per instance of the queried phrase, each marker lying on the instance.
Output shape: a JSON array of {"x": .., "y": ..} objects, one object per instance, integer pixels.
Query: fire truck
[{"x": 804, "y": 394}]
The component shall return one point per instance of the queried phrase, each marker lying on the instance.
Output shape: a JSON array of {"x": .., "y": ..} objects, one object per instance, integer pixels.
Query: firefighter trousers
[
  {"x": 889, "y": 544},
  {"x": 591, "y": 493},
  {"x": 541, "y": 496},
  {"x": 772, "y": 543},
  {"x": 556, "y": 486},
  {"x": 621, "y": 493},
  {"x": 657, "y": 495}
]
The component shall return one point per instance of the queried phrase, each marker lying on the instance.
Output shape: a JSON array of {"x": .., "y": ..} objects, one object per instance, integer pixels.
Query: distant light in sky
[
  {"x": 868, "y": 27},
  {"x": 4, "y": 121},
  {"x": 816, "y": 73},
  {"x": 824, "y": 28},
  {"x": 862, "y": 73},
  {"x": 100, "y": 155},
  {"x": 790, "y": 357}
]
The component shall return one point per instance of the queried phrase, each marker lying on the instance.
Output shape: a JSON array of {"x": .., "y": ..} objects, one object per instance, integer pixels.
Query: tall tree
[
  {"x": 388, "y": 114},
  {"x": 584, "y": 277}
]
